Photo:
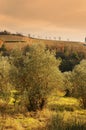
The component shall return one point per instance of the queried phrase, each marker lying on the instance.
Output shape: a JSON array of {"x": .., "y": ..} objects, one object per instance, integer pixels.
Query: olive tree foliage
[
  {"x": 79, "y": 81},
  {"x": 68, "y": 85},
  {"x": 5, "y": 85},
  {"x": 37, "y": 76},
  {"x": 17, "y": 73}
]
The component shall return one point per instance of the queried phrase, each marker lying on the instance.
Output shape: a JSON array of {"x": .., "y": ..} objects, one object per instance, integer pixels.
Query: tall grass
[{"x": 58, "y": 122}]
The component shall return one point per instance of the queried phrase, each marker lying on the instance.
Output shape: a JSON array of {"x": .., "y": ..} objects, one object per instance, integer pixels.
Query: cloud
[{"x": 43, "y": 14}]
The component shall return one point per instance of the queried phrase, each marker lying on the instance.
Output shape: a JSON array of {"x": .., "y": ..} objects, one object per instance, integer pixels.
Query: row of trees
[
  {"x": 69, "y": 56},
  {"x": 35, "y": 73}
]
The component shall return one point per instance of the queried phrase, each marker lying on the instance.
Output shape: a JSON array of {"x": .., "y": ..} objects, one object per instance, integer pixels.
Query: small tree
[
  {"x": 39, "y": 76},
  {"x": 44, "y": 75},
  {"x": 4, "y": 50},
  {"x": 79, "y": 81},
  {"x": 5, "y": 85}
]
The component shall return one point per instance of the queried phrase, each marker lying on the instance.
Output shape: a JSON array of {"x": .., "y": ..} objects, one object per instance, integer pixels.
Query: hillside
[
  {"x": 12, "y": 41},
  {"x": 13, "y": 38}
]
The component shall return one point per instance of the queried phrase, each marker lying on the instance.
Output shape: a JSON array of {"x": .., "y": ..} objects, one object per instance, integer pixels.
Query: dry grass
[
  {"x": 19, "y": 41},
  {"x": 61, "y": 117}
]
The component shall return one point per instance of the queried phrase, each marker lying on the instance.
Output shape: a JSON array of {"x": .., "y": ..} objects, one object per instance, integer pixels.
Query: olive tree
[
  {"x": 38, "y": 76},
  {"x": 5, "y": 85},
  {"x": 68, "y": 86},
  {"x": 79, "y": 81}
]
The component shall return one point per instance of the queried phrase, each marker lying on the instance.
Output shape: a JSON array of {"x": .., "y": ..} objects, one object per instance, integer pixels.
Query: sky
[{"x": 45, "y": 18}]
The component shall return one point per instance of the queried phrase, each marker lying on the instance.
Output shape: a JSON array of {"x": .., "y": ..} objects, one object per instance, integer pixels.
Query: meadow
[{"x": 60, "y": 113}]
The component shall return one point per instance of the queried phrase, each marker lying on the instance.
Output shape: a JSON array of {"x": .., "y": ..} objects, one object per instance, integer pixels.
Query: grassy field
[{"x": 60, "y": 113}]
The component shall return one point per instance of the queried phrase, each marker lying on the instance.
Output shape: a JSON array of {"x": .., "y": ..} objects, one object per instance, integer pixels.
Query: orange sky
[{"x": 65, "y": 18}]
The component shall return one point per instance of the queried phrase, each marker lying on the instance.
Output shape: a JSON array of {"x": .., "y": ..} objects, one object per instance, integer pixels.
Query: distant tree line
[{"x": 5, "y": 32}]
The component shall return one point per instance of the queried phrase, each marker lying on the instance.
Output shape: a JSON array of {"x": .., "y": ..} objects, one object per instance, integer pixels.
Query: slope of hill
[
  {"x": 13, "y": 38},
  {"x": 12, "y": 41}
]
